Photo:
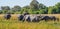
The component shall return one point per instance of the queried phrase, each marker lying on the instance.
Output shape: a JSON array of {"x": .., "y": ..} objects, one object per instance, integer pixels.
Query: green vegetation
[
  {"x": 34, "y": 8},
  {"x": 9, "y": 24},
  {"x": 14, "y": 23}
]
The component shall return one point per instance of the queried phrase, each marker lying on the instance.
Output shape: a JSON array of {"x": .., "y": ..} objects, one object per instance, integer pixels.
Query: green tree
[
  {"x": 5, "y": 7},
  {"x": 42, "y": 12},
  {"x": 11, "y": 11},
  {"x": 16, "y": 8},
  {"x": 26, "y": 7},
  {"x": 57, "y": 6},
  {"x": 42, "y": 6},
  {"x": 1, "y": 11},
  {"x": 34, "y": 5},
  {"x": 52, "y": 10}
]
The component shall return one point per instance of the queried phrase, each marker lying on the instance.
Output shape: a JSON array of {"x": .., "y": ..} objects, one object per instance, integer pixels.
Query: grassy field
[{"x": 14, "y": 23}]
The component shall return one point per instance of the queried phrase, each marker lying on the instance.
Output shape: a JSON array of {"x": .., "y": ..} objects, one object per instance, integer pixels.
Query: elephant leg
[
  {"x": 57, "y": 19},
  {"x": 23, "y": 20},
  {"x": 28, "y": 20},
  {"x": 33, "y": 20},
  {"x": 46, "y": 20}
]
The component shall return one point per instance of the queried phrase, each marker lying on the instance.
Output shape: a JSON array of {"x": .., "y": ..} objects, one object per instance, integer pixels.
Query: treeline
[{"x": 34, "y": 8}]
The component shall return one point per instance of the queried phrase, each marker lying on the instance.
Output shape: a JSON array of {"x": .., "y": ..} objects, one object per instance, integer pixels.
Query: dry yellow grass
[{"x": 13, "y": 23}]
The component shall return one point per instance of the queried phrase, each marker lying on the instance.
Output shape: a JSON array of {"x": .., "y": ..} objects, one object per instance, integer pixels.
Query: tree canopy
[{"x": 34, "y": 8}]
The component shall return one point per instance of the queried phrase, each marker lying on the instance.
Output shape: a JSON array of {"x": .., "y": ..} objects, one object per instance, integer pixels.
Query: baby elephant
[{"x": 7, "y": 16}]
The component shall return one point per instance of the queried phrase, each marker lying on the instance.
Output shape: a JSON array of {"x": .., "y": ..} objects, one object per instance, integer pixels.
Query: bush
[{"x": 1, "y": 11}]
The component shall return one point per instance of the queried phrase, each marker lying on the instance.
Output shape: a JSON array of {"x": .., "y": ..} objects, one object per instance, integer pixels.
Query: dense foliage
[{"x": 34, "y": 8}]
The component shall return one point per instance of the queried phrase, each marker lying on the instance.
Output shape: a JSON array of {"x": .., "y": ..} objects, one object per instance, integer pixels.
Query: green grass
[
  {"x": 13, "y": 23},
  {"x": 8, "y": 24}
]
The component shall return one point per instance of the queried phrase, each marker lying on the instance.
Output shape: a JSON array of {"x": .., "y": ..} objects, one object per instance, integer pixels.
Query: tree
[
  {"x": 11, "y": 11},
  {"x": 57, "y": 6},
  {"x": 16, "y": 8},
  {"x": 26, "y": 7},
  {"x": 41, "y": 12},
  {"x": 1, "y": 11},
  {"x": 42, "y": 6},
  {"x": 5, "y": 7},
  {"x": 34, "y": 5},
  {"x": 52, "y": 10}
]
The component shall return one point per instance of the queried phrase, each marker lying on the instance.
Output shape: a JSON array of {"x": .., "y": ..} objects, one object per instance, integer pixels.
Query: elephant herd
[{"x": 32, "y": 18}]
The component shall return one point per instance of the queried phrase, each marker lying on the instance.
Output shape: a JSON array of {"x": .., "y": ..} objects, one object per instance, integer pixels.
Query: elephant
[
  {"x": 46, "y": 18},
  {"x": 7, "y": 16},
  {"x": 21, "y": 18},
  {"x": 32, "y": 18}
]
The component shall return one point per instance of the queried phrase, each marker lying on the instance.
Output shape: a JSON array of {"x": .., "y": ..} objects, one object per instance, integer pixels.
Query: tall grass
[{"x": 14, "y": 23}]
